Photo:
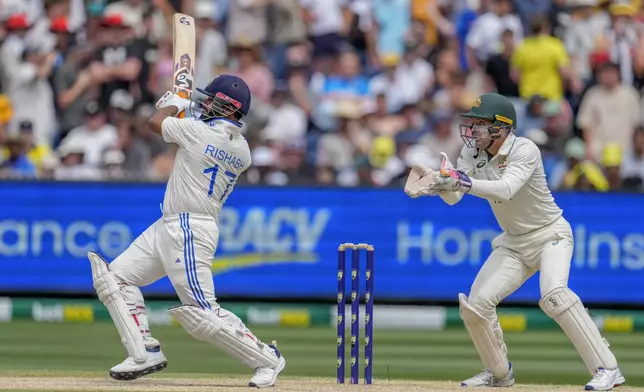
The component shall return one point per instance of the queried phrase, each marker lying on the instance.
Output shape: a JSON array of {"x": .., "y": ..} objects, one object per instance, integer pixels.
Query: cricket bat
[{"x": 184, "y": 47}]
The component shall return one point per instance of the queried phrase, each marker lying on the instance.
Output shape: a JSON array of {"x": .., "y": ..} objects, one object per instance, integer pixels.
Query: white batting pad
[
  {"x": 109, "y": 294},
  {"x": 226, "y": 331},
  {"x": 565, "y": 307},
  {"x": 487, "y": 337}
]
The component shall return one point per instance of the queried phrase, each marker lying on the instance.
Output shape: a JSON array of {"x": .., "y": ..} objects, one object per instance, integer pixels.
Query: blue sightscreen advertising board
[{"x": 282, "y": 242}]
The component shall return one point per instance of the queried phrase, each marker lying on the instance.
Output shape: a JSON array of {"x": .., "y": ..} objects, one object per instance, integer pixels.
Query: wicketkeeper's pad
[
  {"x": 565, "y": 307},
  {"x": 224, "y": 330},
  {"x": 487, "y": 337},
  {"x": 109, "y": 294}
]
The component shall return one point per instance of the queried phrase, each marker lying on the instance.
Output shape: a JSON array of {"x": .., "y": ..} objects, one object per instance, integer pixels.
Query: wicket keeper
[{"x": 507, "y": 171}]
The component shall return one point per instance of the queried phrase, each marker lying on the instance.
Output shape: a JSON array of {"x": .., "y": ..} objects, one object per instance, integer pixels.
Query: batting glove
[
  {"x": 452, "y": 180},
  {"x": 171, "y": 99}
]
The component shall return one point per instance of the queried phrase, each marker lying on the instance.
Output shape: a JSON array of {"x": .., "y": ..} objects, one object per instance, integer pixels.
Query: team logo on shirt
[{"x": 503, "y": 164}]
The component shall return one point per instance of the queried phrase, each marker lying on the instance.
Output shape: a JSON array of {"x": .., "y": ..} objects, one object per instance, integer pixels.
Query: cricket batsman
[
  {"x": 507, "y": 171},
  {"x": 212, "y": 154}
]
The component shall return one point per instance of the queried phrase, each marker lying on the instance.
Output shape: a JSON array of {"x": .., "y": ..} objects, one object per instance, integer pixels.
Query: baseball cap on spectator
[
  {"x": 263, "y": 156},
  {"x": 612, "y": 155},
  {"x": 119, "y": 20},
  {"x": 622, "y": 10},
  {"x": 67, "y": 149},
  {"x": 92, "y": 108},
  {"x": 17, "y": 22},
  {"x": 113, "y": 157},
  {"x": 382, "y": 149},
  {"x": 538, "y": 136},
  {"x": 575, "y": 148},
  {"x": 145, "y": 110},
  {"x": 59, "y": 25},
  {"x": 6, "y": 112},
  {"x": 389, "y": 60},
  {"x": 121, "y": 99},
  {"x": 205, "y": 9}
]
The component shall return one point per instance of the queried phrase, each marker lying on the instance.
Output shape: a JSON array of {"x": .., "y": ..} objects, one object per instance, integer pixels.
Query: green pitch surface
[{"x": 31, "y": 350}]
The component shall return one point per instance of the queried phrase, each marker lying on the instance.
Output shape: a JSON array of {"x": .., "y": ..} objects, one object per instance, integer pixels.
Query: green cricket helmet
[{"x": 500, "y": 113}]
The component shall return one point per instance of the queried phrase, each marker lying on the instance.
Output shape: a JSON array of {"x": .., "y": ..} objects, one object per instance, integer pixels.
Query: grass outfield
[{"x": 29, "y": 350}]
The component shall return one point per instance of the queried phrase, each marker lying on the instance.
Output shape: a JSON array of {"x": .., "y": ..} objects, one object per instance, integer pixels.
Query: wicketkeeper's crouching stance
[
  {"x": 211, "y": 156},
  {"x": 508, "y": 171}
]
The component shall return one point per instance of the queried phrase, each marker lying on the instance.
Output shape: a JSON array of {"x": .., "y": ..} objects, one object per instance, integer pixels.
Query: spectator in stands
[
  {"x": 137, "y": 155},
  {"x": 114, "y": 166},
  {"x": 397, "y": 86},
  {"x": 587, "y": 24},
  {"x": 326, "y": 26},
  {"x": 346, "y": 83},
  {"x": 445, "y": 137},
  {"x": 498, "y": 68},
  {"x": 416, "y": 68},
  {"x": 287, "y": 121},
  {"x": 577, "y": 172},
  {"x": 247, "y": 22},
  {"x": 286, "y": 28},
  {"x": 36, "y": 152},
  {"x": 212, "y": 50},
  {"x": 612, "y": 162},
  {"x": 623, "y": 39},
  {"x": 93, "y": 137},
  {"x": 632, "y": 170},
  {"x": 31, "y": 94},
  {"x": 17, "y": 165},
  {"x": 337, "y": 151},
  {"x": 117, "y": 64},
  {"x": 484, "y": 37},
  {"x": 540, "y": 64},
  {"x": 609, "y": 112},
  {"x": 392, "y": 20},
  {"x": 73, "y": 166},
  {"x": 251, "y": 67}
]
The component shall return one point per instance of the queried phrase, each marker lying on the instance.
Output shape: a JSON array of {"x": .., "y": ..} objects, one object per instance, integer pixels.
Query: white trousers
[
  {"x": 514, "y": 259},
  {"x": 180, "y": 247}
]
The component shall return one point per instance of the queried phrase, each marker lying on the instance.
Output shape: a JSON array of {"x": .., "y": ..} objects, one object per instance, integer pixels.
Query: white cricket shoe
[
  {"x": 267, "y": 376},
  {"x": 605, "y": 380},
  {"x": 131, "y": 370},
  {"x": 487, "y": 379}
]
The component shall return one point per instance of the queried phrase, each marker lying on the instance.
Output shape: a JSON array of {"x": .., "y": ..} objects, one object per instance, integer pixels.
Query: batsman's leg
[
  {"x": 188, "y": 263},
  {"x": 499, "y": 277},
  {"x": 117, "y": 287},
  {"x": 564, "y": 306}
]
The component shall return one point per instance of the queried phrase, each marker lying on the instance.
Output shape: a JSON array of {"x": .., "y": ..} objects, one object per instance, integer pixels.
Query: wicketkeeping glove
[
  {"x": 419, "y": 182},
  {"x": 171, "y": 99},
  {"x": 452, "y": 180}
]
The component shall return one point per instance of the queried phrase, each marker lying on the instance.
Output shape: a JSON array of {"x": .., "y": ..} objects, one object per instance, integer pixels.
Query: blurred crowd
[{"x": 345, "y": 92}]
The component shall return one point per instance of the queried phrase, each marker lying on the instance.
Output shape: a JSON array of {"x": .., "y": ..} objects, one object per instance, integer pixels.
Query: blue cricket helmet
[{"x": 229, "y": 94}]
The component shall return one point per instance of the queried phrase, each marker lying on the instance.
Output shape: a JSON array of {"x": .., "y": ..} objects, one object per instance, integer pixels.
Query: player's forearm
[
  {"x": 155, "y": 122},
  {"x": 500, "y": 190},
  {"x": 128, "y": 71}
]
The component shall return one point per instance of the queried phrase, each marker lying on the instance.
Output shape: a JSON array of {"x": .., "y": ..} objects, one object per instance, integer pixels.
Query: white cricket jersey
[
  {"x": 513, "y": 182},
  {"x": 210, "y": 159}
]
